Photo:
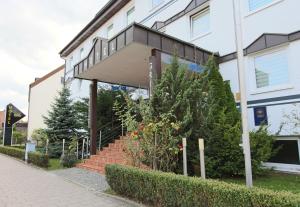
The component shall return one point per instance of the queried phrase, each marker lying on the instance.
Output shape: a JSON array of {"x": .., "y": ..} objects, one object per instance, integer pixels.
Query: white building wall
[
  {"x": 219, "y": 39},
  {"x": 40, "y": 99}
]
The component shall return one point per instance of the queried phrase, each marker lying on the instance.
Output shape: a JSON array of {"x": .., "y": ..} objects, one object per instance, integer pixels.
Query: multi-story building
[
  {"x": 114, "y": 49},
  {"x": 42, "y": 93}
]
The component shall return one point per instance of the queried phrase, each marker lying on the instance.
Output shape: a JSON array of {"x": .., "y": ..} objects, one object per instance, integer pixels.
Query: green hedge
[
  {"x": 35, "y": 158},
  {"x": 166, "y": 189}
]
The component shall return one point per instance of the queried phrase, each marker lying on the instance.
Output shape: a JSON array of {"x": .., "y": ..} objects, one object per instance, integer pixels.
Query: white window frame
[
  {"x": 132, "y": 9},
  {"x": 250, "y": 12},
  {"x": 199, "y": 14},
  {"x": 252, "y": 80},
  {"x": 111, "y": 26},
  {"x": 154, "y": 6}
]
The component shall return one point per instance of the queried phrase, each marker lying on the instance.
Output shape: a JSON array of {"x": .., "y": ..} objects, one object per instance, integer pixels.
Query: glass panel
[
  {"x": 130, "y": 16},
  {"x": 110, "y": 31},
  {"x": 166, "y": 60},
  {"x": 288, "y": 152},
  {"x": 271, "y": 70},
  {"x": 256, "y": 4},
  {"x": 200, "y": 23},
  {"x": 156, "y": 3}
]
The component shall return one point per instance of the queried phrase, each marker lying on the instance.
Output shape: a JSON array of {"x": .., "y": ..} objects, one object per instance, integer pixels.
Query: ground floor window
[{"x": 288, "y": 152}]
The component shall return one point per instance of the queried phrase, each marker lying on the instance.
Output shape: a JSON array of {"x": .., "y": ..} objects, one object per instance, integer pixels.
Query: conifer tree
[
  {"x": 61, "y": 120},
  {"x": 222, "y": 131}
]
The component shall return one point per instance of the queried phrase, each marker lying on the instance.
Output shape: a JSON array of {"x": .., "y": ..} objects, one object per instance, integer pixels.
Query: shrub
[
  {"x": 13, "y": 152},
  {"x": 166, "y": 189},
  {"x": 68, "y": 160},
  {"x": 35, "y": 158}
]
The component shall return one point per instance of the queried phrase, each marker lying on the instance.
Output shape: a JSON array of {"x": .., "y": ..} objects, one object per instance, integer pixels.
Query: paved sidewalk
[
  {"x": 25, "y": 186},
  {"x": 90, "y": 180}
]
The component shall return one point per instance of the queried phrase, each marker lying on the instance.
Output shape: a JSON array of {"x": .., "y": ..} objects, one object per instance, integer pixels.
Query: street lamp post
[{"x": 242, "y": 86}]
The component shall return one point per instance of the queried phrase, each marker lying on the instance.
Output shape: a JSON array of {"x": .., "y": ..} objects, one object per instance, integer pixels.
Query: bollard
[
  {"x": 100, "y": 140},
  {"x": 63, "y": 150},
  {"x": 82, "y": 149},
  {"x": 184, "y": 157},
  {"x": 47, "y": 145},
  {"x": 202, "y": 162},
  {"x": 77, "y": 150}
]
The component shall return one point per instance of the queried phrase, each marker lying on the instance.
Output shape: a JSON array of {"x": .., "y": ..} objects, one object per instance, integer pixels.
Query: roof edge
[{"x": 48, "y": 75}]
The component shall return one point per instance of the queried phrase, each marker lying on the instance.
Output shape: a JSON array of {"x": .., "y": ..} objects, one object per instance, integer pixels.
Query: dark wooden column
[{"x": 93, "y": 117}]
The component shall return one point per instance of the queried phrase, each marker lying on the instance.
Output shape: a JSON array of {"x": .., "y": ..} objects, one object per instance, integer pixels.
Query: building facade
[
  {"x": 42, "y": 93},
  {"x": 114, "y": 49}
]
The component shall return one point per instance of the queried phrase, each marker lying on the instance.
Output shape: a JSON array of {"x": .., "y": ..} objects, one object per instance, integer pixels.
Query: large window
[
  {"x": 200, "y": 23},
  {"x": 271, "y": 69},
  {"x": 130, "y": 16},
  {"x": 155, "y": 3},
  {"x": 110, "y": 31},
  {"x": 166, "y": 61},
  {"x": 256, "y": 4}
]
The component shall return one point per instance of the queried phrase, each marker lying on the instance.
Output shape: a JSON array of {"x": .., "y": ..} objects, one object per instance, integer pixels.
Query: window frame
[
  {"x": 250, "y": 12},
  {"x": 153, "y": 6},
  {"x": 203, "y": 12},
  {"x": 110, "y": 28},
  {"x": 272, "y": 88},
  {"x": 132, "y": 9}
]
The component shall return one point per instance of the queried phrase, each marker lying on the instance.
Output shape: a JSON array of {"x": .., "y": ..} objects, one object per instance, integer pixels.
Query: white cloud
[{"x": 32, "y": 33}]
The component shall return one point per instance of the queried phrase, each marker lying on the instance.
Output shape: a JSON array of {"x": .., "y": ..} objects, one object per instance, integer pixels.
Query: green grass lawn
[
  {"x": 274, "y": 181},
  {"x": 54, "y": 164}
]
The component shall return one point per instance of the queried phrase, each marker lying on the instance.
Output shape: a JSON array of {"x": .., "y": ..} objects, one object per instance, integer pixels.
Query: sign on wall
[
  {"x": 12, "y": 116},
  {"x": 260, "y": 115}
]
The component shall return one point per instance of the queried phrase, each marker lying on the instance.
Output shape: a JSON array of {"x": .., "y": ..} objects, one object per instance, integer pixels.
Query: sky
[{"x": 32, "y": 33}]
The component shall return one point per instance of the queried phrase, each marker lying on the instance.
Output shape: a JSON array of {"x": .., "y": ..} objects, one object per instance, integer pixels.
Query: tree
[
  {"x": 105, "y": 113},
  {"x": 61, "y": 121},
  {"x": 40, "y": 136}
]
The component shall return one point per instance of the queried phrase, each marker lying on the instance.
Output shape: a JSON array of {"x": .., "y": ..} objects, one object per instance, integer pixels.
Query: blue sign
[
  {"x": 260, "y": 115},
  {"x": 118, "y": 88}
]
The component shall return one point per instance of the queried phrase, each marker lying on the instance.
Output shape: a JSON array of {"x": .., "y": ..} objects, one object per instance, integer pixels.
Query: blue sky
[{"x": 32, "y": 32}]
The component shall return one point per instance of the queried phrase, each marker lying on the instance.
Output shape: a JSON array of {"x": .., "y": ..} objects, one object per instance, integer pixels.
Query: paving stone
[{"x": 25, "y": 186}]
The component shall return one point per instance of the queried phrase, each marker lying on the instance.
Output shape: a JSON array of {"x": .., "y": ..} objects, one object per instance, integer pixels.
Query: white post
[
  {"x": 26, "y": 153},
  {"x": 242, "y": 85},
  {"x": 122, "y": 128},
  {"x": 82, "y": 149},
  {"x": 202, "y": 162},
  {"x": 47, "y": 145},
  {"x": 100, "y": 135},
  {"x": 63, "y": 150},
  {"x": 184, "y": 157},
  {"x": 77, "y": 150},
  {"x": 87, "y": 146}
]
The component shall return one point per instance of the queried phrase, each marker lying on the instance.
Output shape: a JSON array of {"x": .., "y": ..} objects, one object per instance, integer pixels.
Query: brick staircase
[{"x": 112, "y": 154}]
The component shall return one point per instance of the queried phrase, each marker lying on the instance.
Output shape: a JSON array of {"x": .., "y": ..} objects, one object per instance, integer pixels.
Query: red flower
[{"x": 180, "y": 146}]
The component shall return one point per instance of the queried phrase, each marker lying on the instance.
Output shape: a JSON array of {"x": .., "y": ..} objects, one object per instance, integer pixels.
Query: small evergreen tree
[{"x": 61, "y": 120}]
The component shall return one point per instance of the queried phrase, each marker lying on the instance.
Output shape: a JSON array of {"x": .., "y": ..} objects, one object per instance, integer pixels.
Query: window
[
  {"x": 130, "y": 16},
  {"x": 200, "y": 23},
  {"x": 110, "y": 31},
  {"x": 155, "y": 3},
  {"x": 271, "y": 69},
  {"x": 81, "y": 53},
  {"x": 256, "y": 4}
]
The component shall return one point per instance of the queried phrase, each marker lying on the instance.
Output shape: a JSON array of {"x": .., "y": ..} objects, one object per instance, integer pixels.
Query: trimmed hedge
[
  {"x": 166, "y": 189},
  {"x": 35, "y": 158}
]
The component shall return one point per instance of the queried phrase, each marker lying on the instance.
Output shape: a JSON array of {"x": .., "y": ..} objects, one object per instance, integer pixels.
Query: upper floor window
[
  {"x": 155, "y": 3},
  {"x": 256, "y": 4},
  {"x": 130, "y": 16},
  {"x": 200, "y": 23},
  {"x": 81, "y": 53},
  {"x": 271, "y": 69},
  {"x": 110, "y": 31}
]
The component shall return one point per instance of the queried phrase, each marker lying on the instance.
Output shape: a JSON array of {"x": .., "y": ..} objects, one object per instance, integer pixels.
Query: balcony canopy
[{"x": 124, "y": 59}]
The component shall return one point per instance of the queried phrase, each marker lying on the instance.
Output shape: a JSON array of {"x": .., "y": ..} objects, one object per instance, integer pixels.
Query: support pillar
[
  {"x": 154, "y": 69},
  {"x": 93, "y": 117}
]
